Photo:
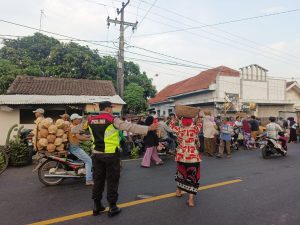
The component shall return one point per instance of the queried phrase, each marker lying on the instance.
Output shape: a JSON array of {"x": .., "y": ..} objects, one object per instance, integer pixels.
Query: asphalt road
[{"x": 269, "y": 194}]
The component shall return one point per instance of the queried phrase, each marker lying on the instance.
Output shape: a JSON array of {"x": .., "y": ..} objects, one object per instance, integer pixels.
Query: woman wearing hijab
[
  {"x": 247, "y": 133},
  {"x": 151, "y": 143},
  {"x": 188, "y": 160},
  {"x": 293, "y": 130}
]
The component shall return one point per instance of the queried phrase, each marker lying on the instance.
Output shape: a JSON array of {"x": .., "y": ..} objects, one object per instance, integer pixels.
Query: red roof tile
[{"x": 199, "y": 82}]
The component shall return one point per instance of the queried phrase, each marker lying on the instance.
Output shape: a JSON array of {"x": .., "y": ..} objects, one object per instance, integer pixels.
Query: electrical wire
[
  {"x": 75, "y": 39},
  {"x": 222, "y": 23},
  {"x": 275, "y": 57}
]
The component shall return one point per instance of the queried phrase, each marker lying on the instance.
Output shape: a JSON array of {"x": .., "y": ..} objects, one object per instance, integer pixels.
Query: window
[
  {"x": 164, "y": 112},
  {"x": 27, "y": 116},
  {"x": 158, "y": 112},
  {"x": 170, "y": 111}
]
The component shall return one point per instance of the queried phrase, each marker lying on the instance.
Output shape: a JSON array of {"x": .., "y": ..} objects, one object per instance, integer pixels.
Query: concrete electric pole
[{"x": 120, "y": 64}]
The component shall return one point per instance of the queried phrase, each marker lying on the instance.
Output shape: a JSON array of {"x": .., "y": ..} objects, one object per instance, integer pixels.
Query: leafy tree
[
  {"x": 8, "y": 72},
  {"x": 134, "y": 97},
  {"x": 40, "y": 55},
  {"x": 133, "y": 75}
]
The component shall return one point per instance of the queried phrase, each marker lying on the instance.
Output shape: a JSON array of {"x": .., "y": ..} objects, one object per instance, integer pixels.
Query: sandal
[
  {"x": 190, "y": 203},
  {"x": 178, "y": 193}
]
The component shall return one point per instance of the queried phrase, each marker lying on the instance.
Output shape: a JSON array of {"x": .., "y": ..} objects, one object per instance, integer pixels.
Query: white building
[{"x": 211, "y": 89}]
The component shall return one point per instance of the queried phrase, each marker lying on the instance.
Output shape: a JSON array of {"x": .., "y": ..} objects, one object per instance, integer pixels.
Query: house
[
  {"x": 56, "y": 95},
  {"x": 293, "y": 93},
  {"x": 225, "y": 90}
]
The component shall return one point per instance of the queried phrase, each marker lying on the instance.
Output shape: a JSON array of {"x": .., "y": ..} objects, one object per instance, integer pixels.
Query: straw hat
[
  {"x": 58, "y": 141},
  {"x": 60, "y": 132},
  {"x": 60, "y": 148},
  {"x": 43, "y": 142},
  {"x": 59, "y": 123},
  {"x": 52, "y": 129},
  {"x": 51, "y": 138},
  {"x": 51, "y": 147}
]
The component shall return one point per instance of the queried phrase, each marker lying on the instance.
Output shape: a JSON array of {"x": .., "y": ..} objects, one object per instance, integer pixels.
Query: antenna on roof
[{"x": 41, "y": 18}]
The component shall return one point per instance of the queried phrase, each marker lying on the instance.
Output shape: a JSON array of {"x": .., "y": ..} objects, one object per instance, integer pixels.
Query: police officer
[{"x": 106, "y": 157}]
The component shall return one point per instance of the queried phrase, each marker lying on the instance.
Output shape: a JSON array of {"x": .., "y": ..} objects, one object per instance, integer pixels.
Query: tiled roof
[
  {"x": 199, "y": 82},
  {"x": 289, "y": 83},
  {"x": 28, "y": 85}
]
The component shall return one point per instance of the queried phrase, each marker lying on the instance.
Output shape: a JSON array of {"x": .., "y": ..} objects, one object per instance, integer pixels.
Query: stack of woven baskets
[
  {"x": 186, "y": 111},
  {"x": 50, "y": 136}
]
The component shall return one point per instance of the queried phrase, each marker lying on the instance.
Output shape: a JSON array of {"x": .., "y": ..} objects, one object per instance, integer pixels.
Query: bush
[
  {"x": 134, "y": 153},
  {"x": 87, "y": 146},
  {"x": 20, "y": 153}
]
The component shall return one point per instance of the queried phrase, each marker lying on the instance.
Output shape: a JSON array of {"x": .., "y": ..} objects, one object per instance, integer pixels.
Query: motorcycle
[
  {"x": 163, "y": 148},
  {"x": 26, "y": 138},
  {"x": 270, "y": 146},
  {"x": 52, "y": 170}
]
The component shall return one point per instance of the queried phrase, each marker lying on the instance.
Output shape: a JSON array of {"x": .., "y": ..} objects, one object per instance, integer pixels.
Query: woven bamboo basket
[{"x": 186, "y": 111}]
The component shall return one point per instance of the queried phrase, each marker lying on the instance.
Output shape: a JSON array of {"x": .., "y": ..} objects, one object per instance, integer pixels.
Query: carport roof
[{"x": 57, "y": 99}]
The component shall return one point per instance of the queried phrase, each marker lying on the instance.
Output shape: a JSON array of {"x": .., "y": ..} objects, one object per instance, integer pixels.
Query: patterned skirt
[
  {"x": 247, "y": 140},
  {"x": 187, "y": 177}
]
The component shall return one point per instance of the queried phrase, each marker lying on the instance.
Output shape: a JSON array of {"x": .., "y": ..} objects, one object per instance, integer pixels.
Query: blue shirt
[{"x": 225, "y": 132}]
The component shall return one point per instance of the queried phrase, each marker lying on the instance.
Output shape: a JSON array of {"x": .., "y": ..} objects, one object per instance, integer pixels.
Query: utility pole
[{"x": 120, "y": 63}]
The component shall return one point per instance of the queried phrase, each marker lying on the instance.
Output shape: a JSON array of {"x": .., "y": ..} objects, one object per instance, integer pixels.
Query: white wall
[
  {"x": 7, "y": 120},
  {"x": 162, "y": 108},
  {"x": 227, "y": 84},
  {"x": 277, "y": 89},
  {"x": 294, "y": 96},
  {"x": 267, "y": 111},
  {"x": 254, "y": 90},
  {"x": 196, "y": 98}
]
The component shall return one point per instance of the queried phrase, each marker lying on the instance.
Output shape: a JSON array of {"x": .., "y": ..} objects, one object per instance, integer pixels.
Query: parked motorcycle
[
  {"x": 52, "y": 170},
  {"x": 26, "y": 137},
  {"x": 270, "y": 146}
]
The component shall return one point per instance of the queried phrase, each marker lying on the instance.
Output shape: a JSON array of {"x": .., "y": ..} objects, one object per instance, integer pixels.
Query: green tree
[
  {"x": 134, "y": 97},
  {"x": 8, "y": 72},
  {"x": 133, "y": 75},
  {"x": 40, "y": 55}
]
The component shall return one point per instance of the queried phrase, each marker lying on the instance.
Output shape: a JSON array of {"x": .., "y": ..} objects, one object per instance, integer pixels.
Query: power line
[
  {"x": 77, "y": 39},
  {"x": 92, "y": 42},
  {"x": 154, "y": 2},
  {"x": 170, "y": 56},
  {"x": 222, "y": 23},
  {"x": 9, "y": 37},
  {"x": 220, "y": 36},
  {"x": 222, "y": 30}
]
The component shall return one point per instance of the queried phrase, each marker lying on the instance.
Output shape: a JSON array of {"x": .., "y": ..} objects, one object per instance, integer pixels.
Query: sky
[{"x": 272, "y": 42}]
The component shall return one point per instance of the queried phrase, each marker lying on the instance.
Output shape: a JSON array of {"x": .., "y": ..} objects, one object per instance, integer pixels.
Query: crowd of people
[
  {"x": 216, "y": 134},
  {"x": 187, "y": 139}
]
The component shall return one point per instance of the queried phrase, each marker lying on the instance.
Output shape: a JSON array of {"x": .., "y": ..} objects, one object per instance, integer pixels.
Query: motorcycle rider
[
  {"x": 39, "y": 113},
  {"x": 106, "y": 156},
  {"x": 75, "y": 137},
  {"x": 272, "y": 130}
]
